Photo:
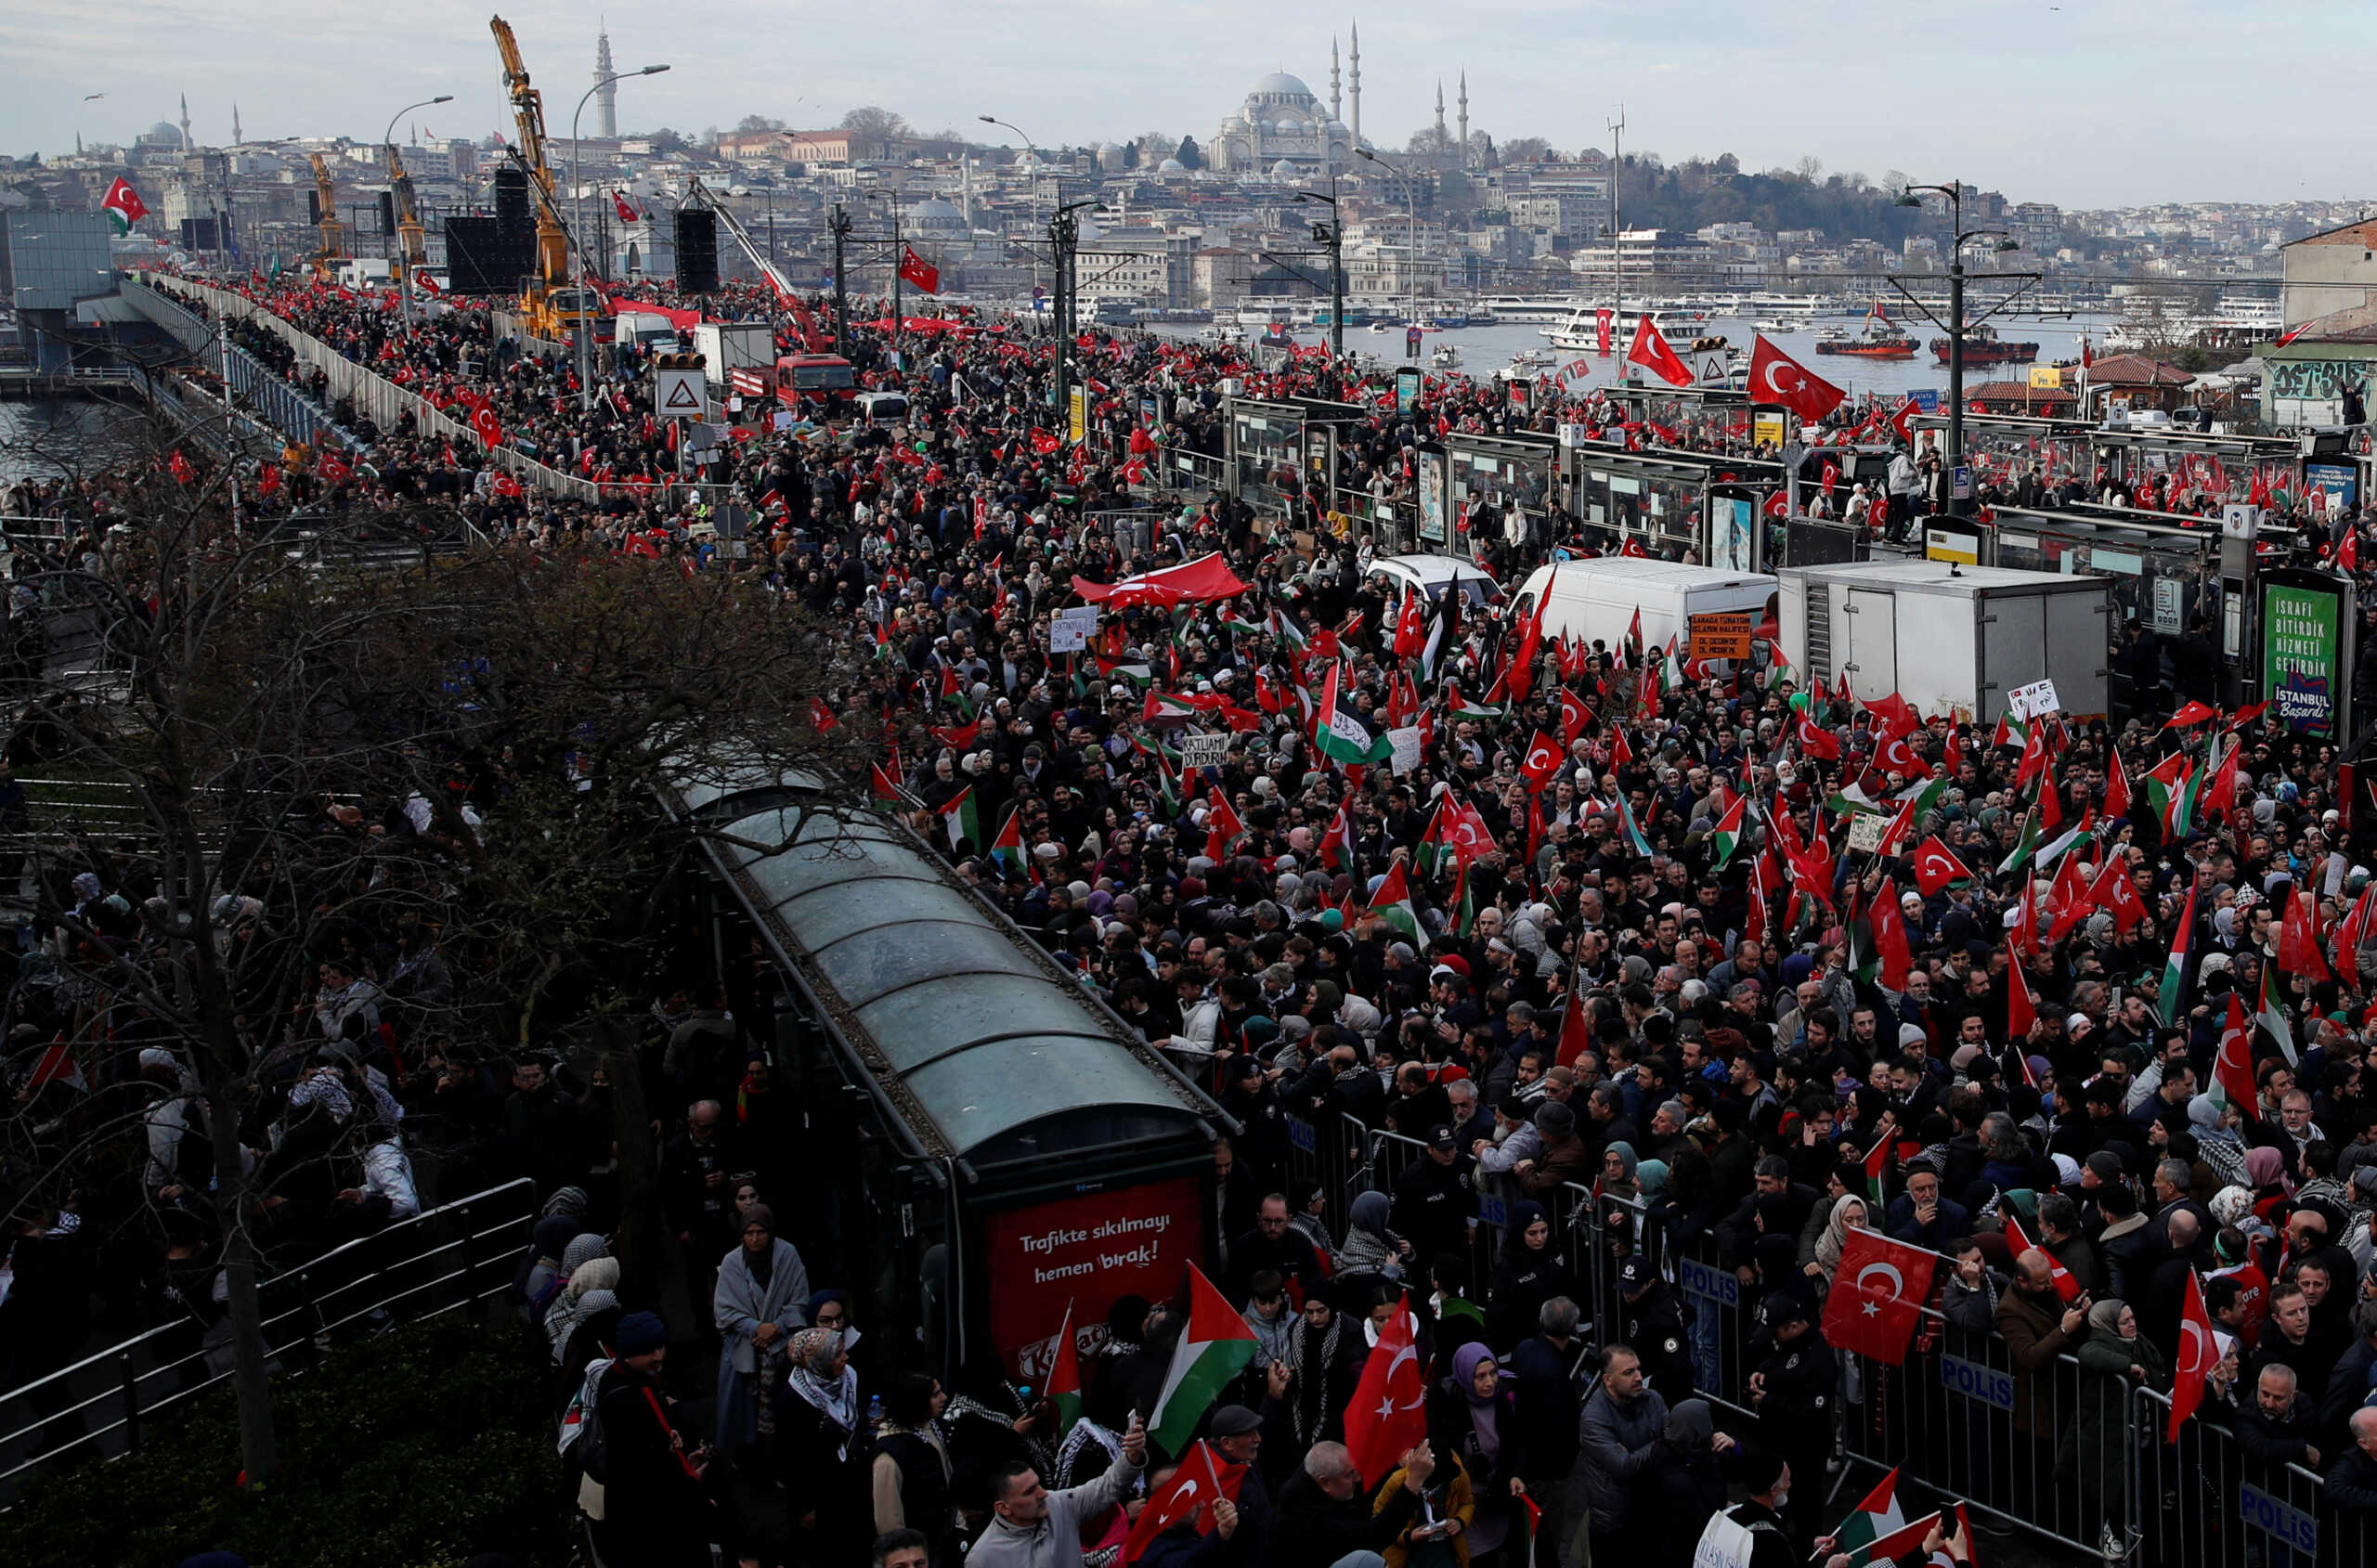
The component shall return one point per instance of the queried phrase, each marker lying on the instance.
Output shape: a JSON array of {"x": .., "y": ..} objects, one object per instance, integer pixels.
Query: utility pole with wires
[
  {"x": 838, "y": 225},
  {"x": 1616, "y": 225}
]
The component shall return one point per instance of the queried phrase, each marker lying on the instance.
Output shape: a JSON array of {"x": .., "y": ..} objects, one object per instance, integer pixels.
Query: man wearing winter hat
[
  {"x": 1566, "y": 1157},
  {"x": 655, "y": 1510}
]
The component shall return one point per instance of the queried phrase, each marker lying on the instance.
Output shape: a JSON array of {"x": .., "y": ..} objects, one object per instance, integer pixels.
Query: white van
[{"x": 1596, "y": 599}]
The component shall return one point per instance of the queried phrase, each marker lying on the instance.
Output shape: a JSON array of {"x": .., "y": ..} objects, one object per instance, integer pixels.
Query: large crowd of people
[{"x": 1594, "y": 977}]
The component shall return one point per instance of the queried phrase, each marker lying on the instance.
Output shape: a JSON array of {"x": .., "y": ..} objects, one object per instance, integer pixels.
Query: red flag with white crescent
[
  {"x": 1877, "y": 1296},
  {"x": 1388, "y": 1414},
  {"x": 1776, "y": 377},
  {"x": 2198, "y": 1354}
]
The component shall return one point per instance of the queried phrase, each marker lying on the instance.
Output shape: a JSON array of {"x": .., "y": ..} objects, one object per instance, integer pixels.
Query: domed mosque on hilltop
[{"x": 1284, "y": 131}]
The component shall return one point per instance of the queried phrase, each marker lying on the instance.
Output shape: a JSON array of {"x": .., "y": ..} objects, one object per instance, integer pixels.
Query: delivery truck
[
  {"x": 1949, "y": 639},
  {"x": 1597, "y": 599},
  {"x": 726, "y": 347}
]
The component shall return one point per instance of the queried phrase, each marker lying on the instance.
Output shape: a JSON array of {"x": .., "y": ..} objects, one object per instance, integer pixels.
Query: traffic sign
[{"x": 680, "y": 395}]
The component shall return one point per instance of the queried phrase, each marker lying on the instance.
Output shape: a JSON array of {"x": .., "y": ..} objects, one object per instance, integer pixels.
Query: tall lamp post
[
  {"x": 1333, "y": 235},
  {"x": 1955, "y": 191},
  {"x": 1064, "y": 229},
  {"x": 577, "y": 227},
  {"x": 388, "y": 140},
  {"x": 891, "y": 199},
  {"x": 1034, "y": 150}
]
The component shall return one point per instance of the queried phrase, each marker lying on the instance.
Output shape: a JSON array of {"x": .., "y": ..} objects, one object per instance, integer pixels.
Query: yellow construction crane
[
  {"x": 412, "y": 239},
  {"x": 553, "y": 303},
  {"x": 334, "y": 233}
]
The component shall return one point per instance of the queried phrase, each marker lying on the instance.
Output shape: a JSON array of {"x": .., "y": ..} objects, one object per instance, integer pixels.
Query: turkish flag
[
  {"x": 2198, "y": 1354},
  {"x": 2233, "y": 1070},
  {"x": 1573, "y": 714},
  {"x": 918, "y": 272},
  {"x": 1044, "y": 443},
  {"x": 1936, "y": 866},
  {"x": 1651, "y": 351},
  {"x": 2298, "y": 942},
  {"x": 1221, "y": 818},
  {"x": 619, "y": 203},
  {"x": 1877, "y": 1294},
  {"x": 1817, "y": 741},
  {"x": 1895, "y": 756},
  {"x": 1776, "y": 377},
  {"x": 2018, "y": 1242},
  {"x": 1388, "y": 1414},
  {"x": 1200, "y": 1481},
  {"x": 1543, "y": 756},
  {"x": 490, "y": 428},
  {"x": 2021, "y": 1016},
  {"x": 1888, "y": 923},
  {"x": 1411, "y": 634},
  {"x": 1604, "y": 322},
  {"x": 1576, "y": 1028},
  {"x": 426, "y": 284},
  {"x": 1902, "y": 420}
]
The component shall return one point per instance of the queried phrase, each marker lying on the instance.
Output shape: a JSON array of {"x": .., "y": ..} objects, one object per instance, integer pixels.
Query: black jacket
[{"x": 1310, "y": 1526}]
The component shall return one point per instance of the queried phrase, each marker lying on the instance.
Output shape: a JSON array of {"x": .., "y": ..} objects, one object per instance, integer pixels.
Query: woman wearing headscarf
[
  {"x": 590, "y": 1337},
  {"x": 1847, "y": 1213},
  {"x": 824, "y": 1449},
  {"x": 1693, "y": 1482},
  {"x": 594, "y": 1274},
  {"x": 1469, "y": 1416},
  {"x": 583, "y": 1248},
  {"x": 541, "y": 1268},
  {"x": 1529, "y": 1273},
  {"x": 760, "y": 1299},
  {"x": 1619, "y": 1172},
  {"x": 2216, "y": 1143},
  {"x": 1370, "y": 1247},
  {"x": 2115, "y": 1360},
  {"x": 1325, "y": 1357},
  {"x": 2265, "y": 1174}
]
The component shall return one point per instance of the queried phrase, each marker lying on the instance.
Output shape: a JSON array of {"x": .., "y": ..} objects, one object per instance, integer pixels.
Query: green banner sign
[{"x": 2302, "y": 653}]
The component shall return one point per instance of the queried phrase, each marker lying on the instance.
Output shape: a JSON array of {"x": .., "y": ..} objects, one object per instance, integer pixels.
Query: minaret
[
  {"x": 1335, "y": 108},
  {"x": 1443, "y": 136},
  {"x": 1356, "y": 63},
  {"x": 1465, "y": 117},
  {"x": 187, "y": 144},
  {"x": 235, "y": 138},
  {"x": 606, "y": 98}
]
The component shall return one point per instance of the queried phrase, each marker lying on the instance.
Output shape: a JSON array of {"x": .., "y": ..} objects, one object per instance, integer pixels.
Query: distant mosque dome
[
  {"x": 933, "y": 213},
  {"x": 1281, "y": 85},
  {"x": 1172, "y": 167},
  {"x": 1283, "y": 170}
]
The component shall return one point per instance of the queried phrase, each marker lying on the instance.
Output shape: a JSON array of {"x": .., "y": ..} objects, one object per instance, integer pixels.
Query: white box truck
[
  {"x": 726, "y": 348},
  {"x": 1597, "y": 599},
  {"x": 1949, "y": 639},
  {"x": 642, "y": 328}
]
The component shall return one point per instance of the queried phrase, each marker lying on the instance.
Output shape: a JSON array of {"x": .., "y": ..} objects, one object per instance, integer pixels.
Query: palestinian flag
[
  {"x": 1007, "y": 847},
  {"x": 1778, "y": 669},
  {"x": 1464, "y": 908},
  {"x": 2175, "y": 972},
  {"x": 1140, "y": 676},
  {"x": 879, "y": 784},
  {"x": 1342, "y": 737},
  {"x": 2269, "y": 1012},
  {"x": 1877, "y": 1519},
  {"x": 960, "y": 816},
  {"x": 1461, "y": 707},
  {"x": 1215, "y": 1347},
  {"x": 1432, "y": 647},
  {"x": 2081, "y": 836},
  {"x": 2026, "y": 845},
  {"x": 2166, "y": 790},
  {"x": 1063, "y": 1387},
  {"x": 1284, "y": 627},
  {"x": 1164, "y": 707},
  {"x": 1840, "y": 802},
  {"x": 1391, "y": 903},
  {"x": 1635, "y": 839},
  {"x": 1727, "y": 836},
  {"x": 123, "y": 205}
]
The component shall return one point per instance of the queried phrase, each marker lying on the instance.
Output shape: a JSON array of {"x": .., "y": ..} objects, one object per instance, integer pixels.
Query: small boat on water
[
  {"x": 1983, "y": 346},
  {"x": 1446, "y": 357},
  {"x": 1882, "y": 338}
]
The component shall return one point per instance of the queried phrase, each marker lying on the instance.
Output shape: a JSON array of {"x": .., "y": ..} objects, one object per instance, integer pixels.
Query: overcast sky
[{"x": 2086, "y": 104}]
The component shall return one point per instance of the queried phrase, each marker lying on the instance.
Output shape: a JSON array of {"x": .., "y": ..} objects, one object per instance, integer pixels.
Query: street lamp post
[
  {"x": 1959, "y": 235},
  {"x": 1411, "y": 231},
  {"x": 1064, "y": 229},
  {"x": 890, "y": 199},
  {"x": 577, "y": 227},
  {"x": 388, "y": 140},
  {"x": 1333, "y": 234}
]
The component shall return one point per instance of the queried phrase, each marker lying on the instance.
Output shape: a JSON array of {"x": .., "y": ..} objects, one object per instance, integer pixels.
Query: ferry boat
[
  {"x": 1882, "y": 338},
  {"x": 1579, "y": 332},
  {"x": 1534, "y": 359},
  {"x": 1983, "y": 346}
]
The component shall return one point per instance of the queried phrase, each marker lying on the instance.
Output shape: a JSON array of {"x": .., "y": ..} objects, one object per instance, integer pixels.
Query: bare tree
[
  {"x": 874, "y": 122},
  {"x": 1810, "y": 169},
  {"x": 321, "y": 738}
]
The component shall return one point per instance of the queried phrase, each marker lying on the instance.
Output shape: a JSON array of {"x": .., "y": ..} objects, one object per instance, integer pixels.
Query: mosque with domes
[{"x": 1284, "y": 131}]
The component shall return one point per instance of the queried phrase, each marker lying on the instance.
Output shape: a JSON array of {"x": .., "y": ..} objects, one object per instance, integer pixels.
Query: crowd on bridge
[{"x": 1540, "y": 981}]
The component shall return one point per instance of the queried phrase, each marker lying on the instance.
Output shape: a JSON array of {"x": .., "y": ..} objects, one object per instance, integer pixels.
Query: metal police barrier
[
  {"x": 447, "y": 1259},
  {"x": 2053, "y": 1449},
  {"x": 1708, "y": 1294},
  {"x": 2207, "y": 1500}
]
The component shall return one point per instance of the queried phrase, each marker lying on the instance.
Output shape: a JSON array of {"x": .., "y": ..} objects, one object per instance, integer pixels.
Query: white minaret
[
  {"x": 1356, "y": 63},
  {"x": 1465, "y": 117},
  {"x": 236, "y": 140},
  {"x": 186, "y": 143},
  {"x": 606, "y": 98},
  {"x": 1335, "y": 108},
  {"x": 1443, "y": 136}
]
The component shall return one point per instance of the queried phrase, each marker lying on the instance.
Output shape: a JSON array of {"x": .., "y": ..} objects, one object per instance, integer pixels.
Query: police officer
[
  {"x": 1435, "y": 1198},
  {"x": 1793, "y": 1392},
  {"x": 1653, "y": 1323}
]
